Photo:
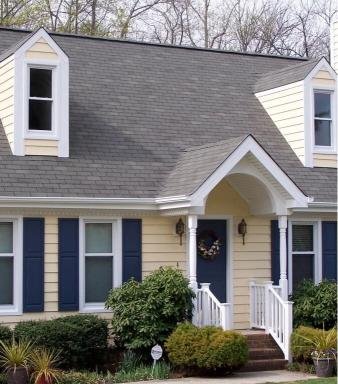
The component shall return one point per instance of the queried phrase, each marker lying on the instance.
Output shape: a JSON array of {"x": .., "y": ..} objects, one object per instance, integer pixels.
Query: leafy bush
[
  {"x": 143, "y": 372},
  {"x": 207, "y": 348},
  {"x": 81, "y": 339},
  {"x": 5, "y": 334},
  {"x": 315, "y": 305},
  {"x": 3, "y": 378},
  {"x": 302, "y": 342},
  {"x": 146, "y": 313}
]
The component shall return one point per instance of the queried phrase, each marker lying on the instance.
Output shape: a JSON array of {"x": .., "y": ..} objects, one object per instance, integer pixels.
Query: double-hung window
[
  {"x": 303, "y": 252},
  {"x": 323, "y": 124},
  {"x": 101, "y": 262},
  {"x": 10, "y": 268},
  {"x": 40, "y": 108}
]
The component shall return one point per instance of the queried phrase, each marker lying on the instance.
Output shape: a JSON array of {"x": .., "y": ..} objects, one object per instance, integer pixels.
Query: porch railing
[
  {"x": 209, "y": 310},
  {"x": 270, "y": 312}
]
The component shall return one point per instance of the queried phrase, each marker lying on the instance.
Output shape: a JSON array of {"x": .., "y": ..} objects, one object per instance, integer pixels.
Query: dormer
[
  {"x": 301, "y": 101},
  {"x": 34, "y": 96}
]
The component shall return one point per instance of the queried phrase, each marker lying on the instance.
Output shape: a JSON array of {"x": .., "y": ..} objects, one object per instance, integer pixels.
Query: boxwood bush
[
  {"x": 81, "y": 339},
  {"x": 5, "y": 334},
  {"x": 209, "y": 349},
  {"x": 315, "y": 305},
  {"x": 302, "y": 348},
  {"x": 146, "y": 313}
]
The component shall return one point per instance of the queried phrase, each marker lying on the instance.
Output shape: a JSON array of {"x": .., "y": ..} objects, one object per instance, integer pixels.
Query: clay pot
[
  {"x": 17, "y": 376},
  {"x": 324, "y": 367}
]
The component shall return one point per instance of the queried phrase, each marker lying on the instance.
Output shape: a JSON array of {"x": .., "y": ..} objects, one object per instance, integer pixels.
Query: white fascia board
[
  {"x": 77, "y": 202},
  {"x": 250, "y": 145}
]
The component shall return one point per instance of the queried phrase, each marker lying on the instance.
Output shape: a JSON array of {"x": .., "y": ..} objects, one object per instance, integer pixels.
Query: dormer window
[
  {"x": 40, "y": 99},
  {"x": 323, "y": 119}
]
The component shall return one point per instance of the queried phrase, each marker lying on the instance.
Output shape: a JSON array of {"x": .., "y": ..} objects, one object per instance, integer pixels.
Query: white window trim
[
  {"x": 320, "y": 148},
  {"x": 53, "y": 134},
  {"x": 117, "y": 260},
  {"x": 16, "y": 308},
  {"x": 317, "y": 249}
]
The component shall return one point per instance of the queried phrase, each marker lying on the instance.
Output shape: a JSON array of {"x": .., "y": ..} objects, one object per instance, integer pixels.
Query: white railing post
[
  {"x": 252, "y": 304},
  {"x": 288, "y": 329},
  {"x": 267, "y": 306},
  {"x": 283, "y": 282},
  {"x": 205, "y": 304}
]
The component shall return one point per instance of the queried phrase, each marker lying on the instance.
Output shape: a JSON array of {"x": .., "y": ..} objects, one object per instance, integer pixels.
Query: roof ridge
[{"x": 162, "y": 45}]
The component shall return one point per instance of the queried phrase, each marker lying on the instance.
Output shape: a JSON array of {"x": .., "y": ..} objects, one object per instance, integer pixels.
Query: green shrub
[
  {"x": 301, "y": 344},
  {"x": 207, "y": 348},
  {"x": 3, "y": 378},
  {"x": 143, "y": 372},
  {"x": 81, "y": 339},
  {"x": 5, "y": 334},
  {"x": 315, "y": 305},
  {"x": 146, "y": 313}
]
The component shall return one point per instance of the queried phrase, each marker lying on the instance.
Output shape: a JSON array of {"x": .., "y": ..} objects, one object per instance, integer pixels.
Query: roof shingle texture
[{"x": 135, "y": 107}]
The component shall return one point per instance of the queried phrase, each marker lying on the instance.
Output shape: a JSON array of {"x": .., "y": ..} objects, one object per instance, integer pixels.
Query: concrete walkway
[{"x": 243, "y": 378}]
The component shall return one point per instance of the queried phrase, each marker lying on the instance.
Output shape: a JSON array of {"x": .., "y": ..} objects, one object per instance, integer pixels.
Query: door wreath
[{"x": 208, "y": 245}]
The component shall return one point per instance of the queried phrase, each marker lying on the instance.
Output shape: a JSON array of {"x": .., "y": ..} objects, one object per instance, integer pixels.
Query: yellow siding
[
  {"x": 325, "y": 160},
  {"x": 160, "y": 245},
  {"x": 7, "y": 98},
  {"x": 323, "y": 79},
  {"x": 41, "y": 147},
  {"x": 286, "y": 109},
  {"x": 41, "y": 50}
]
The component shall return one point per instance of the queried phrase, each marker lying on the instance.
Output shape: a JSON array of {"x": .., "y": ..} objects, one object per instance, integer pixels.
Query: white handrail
[
  {"x": 209, "y": 310},
  {"x": 270, "y": 312}
]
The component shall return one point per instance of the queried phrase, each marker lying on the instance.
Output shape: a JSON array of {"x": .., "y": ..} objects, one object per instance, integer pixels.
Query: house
[{"x": 118, "y": 157}]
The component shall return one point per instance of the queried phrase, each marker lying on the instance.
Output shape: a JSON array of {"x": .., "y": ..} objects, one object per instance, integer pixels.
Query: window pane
[
  {"x": 302, "y": 238},
  {"x": 99, "y": 278},
  {"x": 302, "y": 268},
  {"x": 323, "y": 105},
  {"x": 40, "y": 115},
  {"x": 6, "y": 237},
  {"x": 323, "y": 132},
  {"x": 99, "y": 238},
  {"x": 6, "y": 280},
  {"x": 40, "y": 82}
]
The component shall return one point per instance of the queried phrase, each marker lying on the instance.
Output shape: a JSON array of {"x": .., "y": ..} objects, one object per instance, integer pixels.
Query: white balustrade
[
  {"x": 209, "y": 310},
  {"x": 270, "y": 312}
]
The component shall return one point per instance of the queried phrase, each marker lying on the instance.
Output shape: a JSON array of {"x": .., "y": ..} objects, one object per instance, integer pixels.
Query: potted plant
[
  {"x": 324, "y": 351},
  {"x": 14, "y": 358},
  {"x": 43, "y": 365}
]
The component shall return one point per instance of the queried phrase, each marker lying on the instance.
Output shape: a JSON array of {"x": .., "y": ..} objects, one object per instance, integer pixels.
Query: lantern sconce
[
  {"x": 180, "y": 229},
  {"x": 242, "y": 226}
]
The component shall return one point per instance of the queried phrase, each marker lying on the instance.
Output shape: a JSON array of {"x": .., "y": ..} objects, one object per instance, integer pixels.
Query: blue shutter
[
  {"x": 132, "y": 249},
  {"x": 329, "y": 249},
  {"x": 275, "y": 265},
  {"x": 68, "y": 264},
  {"x": 33, "y": 264}
]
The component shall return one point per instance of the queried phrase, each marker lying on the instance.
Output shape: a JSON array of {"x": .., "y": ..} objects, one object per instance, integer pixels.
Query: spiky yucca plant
[
  {"x": 15, "y": 354},
  {"x": 324, "y": 343},
  {"x": 43, "y": 364}
]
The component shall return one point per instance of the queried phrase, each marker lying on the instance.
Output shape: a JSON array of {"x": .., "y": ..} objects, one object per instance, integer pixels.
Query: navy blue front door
[{"x": 213, "y": 271}]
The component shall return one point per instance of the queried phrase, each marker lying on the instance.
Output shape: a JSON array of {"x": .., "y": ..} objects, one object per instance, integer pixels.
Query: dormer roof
[{"x": 134, "y": 108}]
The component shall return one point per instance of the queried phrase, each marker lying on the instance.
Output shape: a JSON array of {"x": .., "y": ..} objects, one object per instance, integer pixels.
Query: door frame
[{"x": 228, "y": 255}]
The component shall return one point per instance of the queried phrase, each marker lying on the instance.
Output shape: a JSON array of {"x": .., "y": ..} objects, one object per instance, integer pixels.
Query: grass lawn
[{"x": 329, "y": 380}]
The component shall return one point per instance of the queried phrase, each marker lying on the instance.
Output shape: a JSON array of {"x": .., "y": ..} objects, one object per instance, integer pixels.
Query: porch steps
[{"x": 264, "y": 353}]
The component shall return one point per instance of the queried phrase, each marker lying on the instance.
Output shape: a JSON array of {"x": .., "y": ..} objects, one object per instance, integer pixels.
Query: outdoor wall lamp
[
  {"x": 180, "y": 229},
  {"x": 242, "y": 229}
]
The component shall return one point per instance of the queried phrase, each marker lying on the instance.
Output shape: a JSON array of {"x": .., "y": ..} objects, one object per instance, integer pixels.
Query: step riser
[{"x": 264, "y": 354}]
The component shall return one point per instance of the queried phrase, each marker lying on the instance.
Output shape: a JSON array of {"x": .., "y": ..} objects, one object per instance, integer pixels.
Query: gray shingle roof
[
  {"x": 288, "y": 75},
  {"x": 135, "y": 107}
]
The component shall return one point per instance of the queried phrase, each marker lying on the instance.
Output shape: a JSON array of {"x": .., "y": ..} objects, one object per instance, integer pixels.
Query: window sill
[
  {"x": 41, "y": 136},
  {"x": 9, "y": 311},
  {"x": 324, "y": 151},
  {"x": 94, "y": 309}
]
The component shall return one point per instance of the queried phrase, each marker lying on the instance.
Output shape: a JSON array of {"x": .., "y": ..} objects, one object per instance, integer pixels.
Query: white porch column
[
  {"x": 283, "y": 281},
  {"x": 192, "y": 226}
]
